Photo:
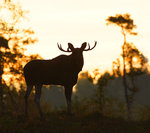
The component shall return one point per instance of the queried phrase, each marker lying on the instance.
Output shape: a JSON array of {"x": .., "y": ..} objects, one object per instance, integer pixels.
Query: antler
[
  {"x": 89, "y": 47},
  {"x": 59, "y": 46}
]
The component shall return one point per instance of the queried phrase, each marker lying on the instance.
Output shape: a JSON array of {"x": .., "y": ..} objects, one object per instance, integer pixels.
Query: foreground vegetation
[{"x": 60, "y": 122}]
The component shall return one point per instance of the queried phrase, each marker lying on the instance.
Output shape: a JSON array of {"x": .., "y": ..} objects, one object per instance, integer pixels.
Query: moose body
[
  {"x": 58, "y": 71},
  {"x": 62, "y": 70}
]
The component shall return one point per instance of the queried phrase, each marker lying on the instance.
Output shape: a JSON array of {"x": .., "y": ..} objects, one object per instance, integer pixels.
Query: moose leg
[
  {"x": 68, "y": 94},
  {"x": 27, "y": 93},
  {"x": 37, "y": 98}
]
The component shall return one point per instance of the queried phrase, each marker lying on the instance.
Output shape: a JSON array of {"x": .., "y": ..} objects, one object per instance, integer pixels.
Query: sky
[{"x": 78, "y": 21}]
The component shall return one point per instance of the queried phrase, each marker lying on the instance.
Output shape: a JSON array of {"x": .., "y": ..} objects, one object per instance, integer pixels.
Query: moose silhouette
[{"x": 62, "y": 70}]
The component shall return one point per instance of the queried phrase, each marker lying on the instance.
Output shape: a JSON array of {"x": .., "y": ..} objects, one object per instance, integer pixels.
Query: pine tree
[{"x": 127, "y": 25}]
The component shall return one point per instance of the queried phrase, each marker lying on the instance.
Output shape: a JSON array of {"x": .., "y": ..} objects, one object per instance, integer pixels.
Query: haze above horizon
[{"x": 79, "y": 21}]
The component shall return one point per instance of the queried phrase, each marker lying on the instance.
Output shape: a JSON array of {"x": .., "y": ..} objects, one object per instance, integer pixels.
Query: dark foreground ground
[{"x": 59, "y": 122}]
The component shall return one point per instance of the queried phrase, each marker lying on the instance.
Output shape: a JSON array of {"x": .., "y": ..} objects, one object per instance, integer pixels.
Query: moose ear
[
  {"x": 70, "y": 46},
  {"x": 83, "y": 46}
]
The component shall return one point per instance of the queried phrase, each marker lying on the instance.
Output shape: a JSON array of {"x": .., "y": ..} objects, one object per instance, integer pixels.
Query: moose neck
[{"x": 77, "y": 62}]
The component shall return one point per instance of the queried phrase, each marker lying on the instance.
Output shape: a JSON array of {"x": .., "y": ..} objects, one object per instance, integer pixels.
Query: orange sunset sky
[{"x": 77, "y": 21}]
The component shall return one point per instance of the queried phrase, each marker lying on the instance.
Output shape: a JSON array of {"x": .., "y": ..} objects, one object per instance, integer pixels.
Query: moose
[{"x": 62, "y": 70}]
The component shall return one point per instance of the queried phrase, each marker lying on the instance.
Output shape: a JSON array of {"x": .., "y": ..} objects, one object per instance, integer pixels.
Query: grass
[{"x": 60, "y": 122}]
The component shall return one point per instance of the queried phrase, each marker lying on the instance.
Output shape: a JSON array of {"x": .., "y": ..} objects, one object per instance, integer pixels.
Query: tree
[
  {"x": 101, "y": 82},
  {"x": 127, "y": 25},
  {"x": 116, "y": 68},
  {"x": 14, "y": 38},
  {"x": 136, "y": 64}
]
